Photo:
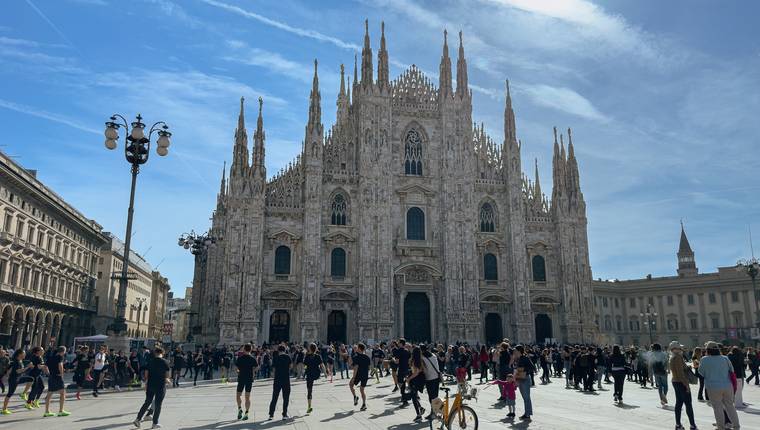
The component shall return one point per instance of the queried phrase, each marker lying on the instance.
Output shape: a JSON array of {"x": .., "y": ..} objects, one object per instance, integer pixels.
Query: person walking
[
  {"x": 431, "y": 368},
  {"x": 659, "y": 364},
  {"x": 98, "y": 370},
  {"x": 753, "y": 357},
  {"x": 618, "y": 368},
  {"x": 314, "y": 368},
  {"x": 402, "y": 357},
  {"x": 178, "y": 364},
  {"x": 5, "y": 362},
  {"x": 198, "y": 364},
  {"x": 281, "y": 364},
  {"x": 157, "y": 375},
  {"x": 738, "y": 360},
  {"x": 680, "y": 383},
  {"x": 416, "y": 382},
  {"x": 55, "y": 383},
  {"x": 15, "y": 369},
  {"x": 523, "y": 369},
  {"x": 696, "y": 356},
  {"x": 35, "y": 373},
  {"x": 245, "y": 366},
  {"x": 716, "y": 370}
]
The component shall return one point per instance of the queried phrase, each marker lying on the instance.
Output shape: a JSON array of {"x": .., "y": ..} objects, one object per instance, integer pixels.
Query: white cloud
[
  {"x": 312, "y": 34},
  {"x": 29, "y": 110},
  {"x": 271, "y": 61},
  {"x": 563, "y": 99}
]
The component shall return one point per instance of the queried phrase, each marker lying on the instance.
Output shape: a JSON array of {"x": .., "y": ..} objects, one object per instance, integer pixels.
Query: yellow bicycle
[{"x": 458, "y": 415}]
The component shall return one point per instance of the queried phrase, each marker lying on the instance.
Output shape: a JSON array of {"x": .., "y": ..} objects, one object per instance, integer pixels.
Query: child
[{"x": 508, "y": 388}]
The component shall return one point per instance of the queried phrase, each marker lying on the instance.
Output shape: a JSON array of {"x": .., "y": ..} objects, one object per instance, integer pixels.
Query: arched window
[
  {"x": 539, "y": 269},
  {"x": 338, "y": 263},
  {"x": 282, "y": 260},
  {"x": 490, "y": 268},
  {"x": 415, "y": 224},
  {"x": 413, "y": 153},
  {"x": 338, "y": 215},
  {"x": 487, "y": 218}
]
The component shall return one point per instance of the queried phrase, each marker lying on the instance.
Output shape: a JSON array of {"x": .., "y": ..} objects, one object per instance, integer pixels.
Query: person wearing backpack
[
  {"x": 717, "y": 370},
  {"x": 659, "y": 364}
]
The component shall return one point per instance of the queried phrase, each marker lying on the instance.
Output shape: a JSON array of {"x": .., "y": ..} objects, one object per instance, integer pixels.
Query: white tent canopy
[{"x": 95, "y": 338}]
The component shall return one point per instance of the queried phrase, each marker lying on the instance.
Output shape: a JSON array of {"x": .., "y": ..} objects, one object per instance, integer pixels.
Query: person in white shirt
[
  {"x": 101, "y": 359},
  {"x": 432, "y": 375}
]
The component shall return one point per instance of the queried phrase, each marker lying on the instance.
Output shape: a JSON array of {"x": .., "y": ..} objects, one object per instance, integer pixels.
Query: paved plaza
[{"x": 212, "y": 406}]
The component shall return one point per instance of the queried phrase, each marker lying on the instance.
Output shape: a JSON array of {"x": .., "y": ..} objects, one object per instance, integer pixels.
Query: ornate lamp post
[
  {"x": 751, "y": 267},
  {"x": 650, "y": 315},
  {"x": 197, "y": 243},
  {"x": 136, "y": 152},
  {"x": 138, "y": 306}
]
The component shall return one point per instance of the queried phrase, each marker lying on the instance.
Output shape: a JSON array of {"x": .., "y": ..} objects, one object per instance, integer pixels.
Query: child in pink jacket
[{"x": 508, "y": 389}]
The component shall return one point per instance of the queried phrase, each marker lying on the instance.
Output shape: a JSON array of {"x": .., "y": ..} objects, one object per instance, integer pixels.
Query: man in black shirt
[
  {"x": 402, "y": 357},
  {"x": 245, "y": 365},
  {"x": 360, "y": 364},
  {"x": 156, "y": 375},
  {"x": 55, "y": 382},
  {"x": 281, "y": 365},
  {"x": 178, "y": 363}
]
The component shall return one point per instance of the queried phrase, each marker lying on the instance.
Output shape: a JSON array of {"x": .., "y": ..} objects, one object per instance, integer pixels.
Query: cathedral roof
[{"x": 414, "y": 88}]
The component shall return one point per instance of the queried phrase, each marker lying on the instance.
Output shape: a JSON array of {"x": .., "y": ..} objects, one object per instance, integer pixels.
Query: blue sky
[{"x": 663, "y": 99}]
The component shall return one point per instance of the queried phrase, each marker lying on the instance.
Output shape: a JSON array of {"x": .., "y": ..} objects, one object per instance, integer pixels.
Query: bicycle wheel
[{"x": 463, "y": 418}]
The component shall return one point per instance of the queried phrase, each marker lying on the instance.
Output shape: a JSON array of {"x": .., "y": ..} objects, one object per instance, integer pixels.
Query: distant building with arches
[
  {"x": 48, "y": 258},
  {"x": 403, "y": 219}
]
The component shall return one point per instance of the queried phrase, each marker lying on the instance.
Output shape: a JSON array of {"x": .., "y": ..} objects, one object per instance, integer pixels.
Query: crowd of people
[{"x": 717, "y": 373}]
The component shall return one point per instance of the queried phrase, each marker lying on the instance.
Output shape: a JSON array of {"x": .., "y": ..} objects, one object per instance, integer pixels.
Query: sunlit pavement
[{"x": 212, "y": 406}]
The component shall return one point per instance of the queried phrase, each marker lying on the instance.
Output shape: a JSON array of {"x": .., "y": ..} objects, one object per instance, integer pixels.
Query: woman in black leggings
[
  {"x": 412, "y": 381},
  {"x": 314, "y": 368},
  {"x": 619, "y": 371}
]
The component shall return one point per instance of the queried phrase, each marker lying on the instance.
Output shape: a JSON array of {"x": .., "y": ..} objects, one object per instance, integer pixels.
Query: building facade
[
  {"x": 178, "y": 314},
  {"x": 690, "y": 307},
  {"x": 402, "y": 219},
  {"x": 48, "y": 258},
  {"x": 139, "y": 290},
  {"x": 159, "y": 295}
]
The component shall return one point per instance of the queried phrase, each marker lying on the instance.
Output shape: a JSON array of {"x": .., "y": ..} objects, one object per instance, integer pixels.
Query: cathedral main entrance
[
  {"x": 494, "y": 333},
  {"x": 279, "y": 327},
  {"x": 543, "y": 328},
  {"x": 336, "y": 327},
  {"x": 417, "y": 317}
]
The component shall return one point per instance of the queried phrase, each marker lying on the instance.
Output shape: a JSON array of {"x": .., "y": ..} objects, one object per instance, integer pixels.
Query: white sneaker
[
  {"x": 156, "y": 426},
  {"x": 136, "y": 423}
]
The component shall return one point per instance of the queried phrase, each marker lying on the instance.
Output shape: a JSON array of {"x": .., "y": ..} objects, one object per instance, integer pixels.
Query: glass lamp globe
[
  {"x": 163, "y": 141},
  {"x": 186, "y": 246},
  {"x": 110, "y": 144},
  {"x": 137, "y": 133},
  {"x": 111, "y": 133},
  {"x": 162, "y": 151}
]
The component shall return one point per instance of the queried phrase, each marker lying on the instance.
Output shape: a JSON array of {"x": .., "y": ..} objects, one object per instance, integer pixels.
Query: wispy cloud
[
  {"x": 271, "y": 61},
  {"x": 563, "y": 99},
  {"x": 174, "y": 10},
  {"x": 312, "y": 34},
  {"x": 91, "y": 2},
  {"x": 29, "y": 110},
  {"x": 49, "y": 22}
]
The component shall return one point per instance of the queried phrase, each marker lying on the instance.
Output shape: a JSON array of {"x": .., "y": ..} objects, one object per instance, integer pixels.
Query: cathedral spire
[
  {"x": 258, "y": 141},
  {"x": 537, "y": 194},
  {"x": 510, "y": 132},
  {"x": 315, "y": 109},
  {"x": 573, "y": 177},
  {"x": 356, "y": 76},
  {"x": 558, "y": 171},
  {"x": 366, "y": 58},
  {"x": 240, "y": 150},
  {"x": 445, "y": 69},
  {"x": 343, "y": 98},
  {"x": 223, "y": 187},
  {"x": 462, "y": 87},
  {"x": 382, "y": 60}
]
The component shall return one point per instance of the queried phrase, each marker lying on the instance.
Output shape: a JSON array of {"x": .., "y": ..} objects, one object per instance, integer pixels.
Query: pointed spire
[
  {"x": 558, "y": 173},
  {"x": 382, "y": 60},
  {"x": 223, "y": 187},
  {"x": 240, "y": 150},
  {"x": 315, "y": 109},
  {"x": 537, "y": 189},
  {"x": 510, "y": 132},
  {"x": 356, "y": 75},
  {"x": 562, "y": 149},
  {"x": 342, "y": 81},
  {"x": 366, "y": 58},
  {"x": 687, "y": 266},
  {"x": 683, "y": 245},
  {"x": 258, "y": 141},
  {"x": 343, "y": 98},
  {"x": 462, "y": 86},
  {"x": 444, "y": 77}
]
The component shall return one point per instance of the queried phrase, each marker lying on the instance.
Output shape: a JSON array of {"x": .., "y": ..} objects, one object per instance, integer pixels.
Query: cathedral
[{"x": 404, "y": 218}]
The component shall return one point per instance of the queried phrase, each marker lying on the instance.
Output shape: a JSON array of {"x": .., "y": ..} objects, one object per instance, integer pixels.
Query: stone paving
[{"x": 212, "y": 406}]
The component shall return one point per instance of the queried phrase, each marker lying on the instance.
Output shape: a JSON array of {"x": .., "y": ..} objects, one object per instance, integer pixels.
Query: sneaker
[
  {"x": 136, "y": 423},
  {"x": 156, "y": 426},
  {"x": 245, "y": 416},
  {"x": 271, "y": 417},
  {"x": 356, "y": 400},
  {"x": 394, "y": 389},
  {"x": 525, "y": 417},
  {"x": 118, "y": 388},
  {"x": 418, "y": 418},
  {"x": 36, "y": 404},
  {"x": 24, "y": 396},
  {"x": 364, "y": 407},
  {"x": 240, "y": 413},
  {"x": 94, "y": 394},
  {"x": 285, "y": 417},
  {"x": 48, "y": 414},
  {"x": 308, "y": 410},
  {"x": 64, "y": 413},
  {"x": 679, "y": 427},
  {"x": 5, "y": 412},
  {"x": 28, "y": 406}
]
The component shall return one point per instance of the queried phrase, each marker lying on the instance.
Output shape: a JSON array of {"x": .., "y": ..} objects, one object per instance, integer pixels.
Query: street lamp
[
  {"x": 197, "y": 243},
  {"x": 650, "y": 322},
  {"x": 140, "y": 301},
  {"x": 751, "y": 267},
  {"x": 136, "y": 151}
]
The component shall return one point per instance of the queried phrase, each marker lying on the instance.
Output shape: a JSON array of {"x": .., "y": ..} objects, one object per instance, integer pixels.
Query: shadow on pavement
[
  {"x": 102, "y": 418},
  {"x": 338, "y": 416}
]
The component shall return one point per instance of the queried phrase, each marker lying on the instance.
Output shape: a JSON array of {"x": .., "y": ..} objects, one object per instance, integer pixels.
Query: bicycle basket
[{"x": 437, "y": 406}]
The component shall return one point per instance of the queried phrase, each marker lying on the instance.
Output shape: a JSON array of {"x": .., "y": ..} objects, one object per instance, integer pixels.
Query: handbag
[{"x": 690, "y": 375}]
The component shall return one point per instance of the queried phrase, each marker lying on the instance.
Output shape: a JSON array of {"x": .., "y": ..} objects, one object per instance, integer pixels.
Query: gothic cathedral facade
[{"x": 403, "y": 219}]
